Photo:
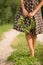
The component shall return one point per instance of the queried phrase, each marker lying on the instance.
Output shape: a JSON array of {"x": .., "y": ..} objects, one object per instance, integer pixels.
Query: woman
[{"x": 30, "y": 8}]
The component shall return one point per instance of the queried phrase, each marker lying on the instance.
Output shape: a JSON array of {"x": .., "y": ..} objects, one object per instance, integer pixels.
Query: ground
[
  {"x": 5, "y": 45},
  {"x": 5, "y": 48}
]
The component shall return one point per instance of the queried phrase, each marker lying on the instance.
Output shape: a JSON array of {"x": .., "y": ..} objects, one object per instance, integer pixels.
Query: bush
[
  {"x": 8, "y": 9},
  {"x": 22, "y": 57}
]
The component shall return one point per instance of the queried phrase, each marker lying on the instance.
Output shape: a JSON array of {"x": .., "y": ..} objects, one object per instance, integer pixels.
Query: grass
[
  {"x": 20, "y": 41},
  {"x": 4, "y": 28},
  {"x": 22, "y": 55}
]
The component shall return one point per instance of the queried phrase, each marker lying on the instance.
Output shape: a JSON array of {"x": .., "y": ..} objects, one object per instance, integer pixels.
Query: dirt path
[
  {"x": 40, "y": 38},
  {"x": 5, "y": 48}
]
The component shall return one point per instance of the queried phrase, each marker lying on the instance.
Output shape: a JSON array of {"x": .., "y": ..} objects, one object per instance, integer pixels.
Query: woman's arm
[
  {"x": 22, "y": 4},
  {"x": 25, "y": 12},
  {"x": 36, "y": 9}
]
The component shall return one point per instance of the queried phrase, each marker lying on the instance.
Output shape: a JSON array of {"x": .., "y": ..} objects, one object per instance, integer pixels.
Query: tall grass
[{"x": 22, "y": 55}]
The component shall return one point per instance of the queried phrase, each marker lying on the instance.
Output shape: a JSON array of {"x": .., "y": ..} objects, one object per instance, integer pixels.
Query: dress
[{"x": 30, "y": 6}]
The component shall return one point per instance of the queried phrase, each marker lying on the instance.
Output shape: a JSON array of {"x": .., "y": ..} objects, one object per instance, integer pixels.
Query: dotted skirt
[{"x": 30, "y": 5}]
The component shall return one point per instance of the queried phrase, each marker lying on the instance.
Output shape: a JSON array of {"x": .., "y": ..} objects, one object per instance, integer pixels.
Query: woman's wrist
[{"x": 37, "y": 8}]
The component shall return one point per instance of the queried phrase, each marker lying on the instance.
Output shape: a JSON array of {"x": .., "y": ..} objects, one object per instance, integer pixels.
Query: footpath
[{"x": 5, "y": 46}]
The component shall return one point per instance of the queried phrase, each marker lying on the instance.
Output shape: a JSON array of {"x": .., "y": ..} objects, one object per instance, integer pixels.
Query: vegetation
[
  {"x": 22, "y": 54},
  {"x": 8, "y": 10},
  {"x": 4, "y": 28},
  {"x": 28, "y": 28}
]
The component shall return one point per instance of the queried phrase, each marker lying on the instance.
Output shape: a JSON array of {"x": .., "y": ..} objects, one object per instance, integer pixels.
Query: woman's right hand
[{"x": 25, "y": 12}]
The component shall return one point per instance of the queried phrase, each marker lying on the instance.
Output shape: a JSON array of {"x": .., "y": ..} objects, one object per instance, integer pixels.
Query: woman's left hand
[{"x": 31, "y": 14}]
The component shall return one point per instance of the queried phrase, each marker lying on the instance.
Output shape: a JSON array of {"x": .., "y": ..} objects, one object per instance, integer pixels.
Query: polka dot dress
[{"x": 30, "y": 6}]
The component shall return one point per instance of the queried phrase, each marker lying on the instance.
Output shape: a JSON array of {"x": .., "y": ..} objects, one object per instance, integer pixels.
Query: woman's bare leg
[
  {"x": 30, "y": 43},
  {"x": 34, "y": 40}
]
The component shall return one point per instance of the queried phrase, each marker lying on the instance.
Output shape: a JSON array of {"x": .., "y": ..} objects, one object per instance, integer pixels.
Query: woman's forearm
[
  {"x": 22, "y": 4},
  {"x": 38, "y": 7},
  {"x": 25, "y": 12}
]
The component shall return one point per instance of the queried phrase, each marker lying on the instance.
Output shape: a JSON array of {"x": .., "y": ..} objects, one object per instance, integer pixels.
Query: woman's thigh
[{"x": 34, "y": 36}]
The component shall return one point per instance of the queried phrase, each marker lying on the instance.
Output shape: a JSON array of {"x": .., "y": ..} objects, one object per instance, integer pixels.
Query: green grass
[
  {"x": 20, "y": 41},
  {"x": 22, "y": 55},
  {"x": 4, "y": 28}
]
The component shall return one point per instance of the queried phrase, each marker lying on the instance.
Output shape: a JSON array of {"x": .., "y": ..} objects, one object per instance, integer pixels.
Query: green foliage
[
  {"x": 22, "y": 57},
  {"x": 8, "y": 10},
  {"x": 22, "y": 53},
  {"x": 25, "y": 28},
  {"x": 20, "y": 41},
  {"x": 39, "y": 53}
]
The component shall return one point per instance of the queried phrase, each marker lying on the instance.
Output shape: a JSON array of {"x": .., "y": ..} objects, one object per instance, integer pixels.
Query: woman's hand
[
  {"x": 25, "y": 12},
  {"x": 31, "y": 14}
]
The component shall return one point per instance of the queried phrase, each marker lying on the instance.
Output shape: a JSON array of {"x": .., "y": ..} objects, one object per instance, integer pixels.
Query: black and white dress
[{"x": 30, "y": 5}]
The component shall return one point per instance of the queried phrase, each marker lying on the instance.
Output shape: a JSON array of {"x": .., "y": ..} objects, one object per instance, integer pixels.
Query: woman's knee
[{"x": 28, "y": 35}]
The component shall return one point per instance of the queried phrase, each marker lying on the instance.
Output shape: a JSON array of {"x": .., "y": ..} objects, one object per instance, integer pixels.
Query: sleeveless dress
[{"x": 30, "y": 5}]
